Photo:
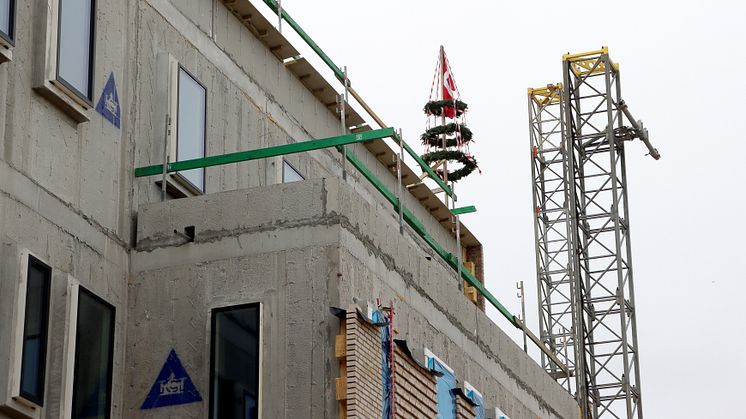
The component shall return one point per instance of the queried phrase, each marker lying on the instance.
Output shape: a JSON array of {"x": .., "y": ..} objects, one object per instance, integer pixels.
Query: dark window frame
[
  {"x": 110, "y": 374},
  {"x": 88, "y": 99},
  {"x": 9, "y": 38},
  {"x": 178, "y": 130},
  {"x": 213, "y": 320},
  {"x": 44, "y": 331}
]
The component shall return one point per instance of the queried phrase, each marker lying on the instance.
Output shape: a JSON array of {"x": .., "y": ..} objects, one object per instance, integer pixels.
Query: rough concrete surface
[
  {"x": 68, "y": 195},
  {"x": 333, "y": 249}
]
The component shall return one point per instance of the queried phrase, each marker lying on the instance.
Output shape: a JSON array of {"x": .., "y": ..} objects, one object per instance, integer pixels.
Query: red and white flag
[{"x": 449, "y": 87}]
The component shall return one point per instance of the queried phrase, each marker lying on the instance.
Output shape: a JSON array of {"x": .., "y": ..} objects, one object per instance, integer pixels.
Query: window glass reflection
[
  {"x": 6, "y": 18},
  {"x": 289, "y": 174},
  {"x": 33, "y": 360},
  {"x": 75, "y": 34},
  {"x": 235, "y": 363},
  {"x": 191, "y": 126},
  {"x": 93, "y": 357}
]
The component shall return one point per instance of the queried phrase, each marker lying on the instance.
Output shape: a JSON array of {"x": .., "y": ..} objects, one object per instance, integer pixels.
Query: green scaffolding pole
[
  {"x": 341, "y": 76},
  {"x": 410, "y": 218},
  {"x": 264, "y": 153},
  {"x": 419, "y": 228}
]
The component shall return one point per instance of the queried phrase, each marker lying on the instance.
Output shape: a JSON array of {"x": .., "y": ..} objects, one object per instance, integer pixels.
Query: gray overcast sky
[{"x": 682, "y": 73}]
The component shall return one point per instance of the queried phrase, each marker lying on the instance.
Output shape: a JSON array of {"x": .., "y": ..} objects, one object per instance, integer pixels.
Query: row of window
[
  {"x": 445, "y": 390},
  {"x": 75, "y": 42},
  {"x": 94, "y": 343},
  {"x": 191, "y": 130},
  {"x": 234, "y": 375},
  {"x": 74, "y": 74}
]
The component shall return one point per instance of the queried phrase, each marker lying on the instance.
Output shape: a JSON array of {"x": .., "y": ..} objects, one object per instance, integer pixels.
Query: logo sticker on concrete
[
  {"x": 173, "y": 386},
  {"x": 108, "y": 104}
]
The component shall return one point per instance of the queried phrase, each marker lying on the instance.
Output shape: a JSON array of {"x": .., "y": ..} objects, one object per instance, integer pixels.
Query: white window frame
[
  {"x": 429, "y": 354},
  {"x": 45, "y": 77},
  {"x": 12, "y": 398},
  {"x": 7, "y": 41},
  {"x": 498, "y": 414},
  {"x": 177, "y": 183},
  {"x": 261, "y": 352},
  {"x": 68, "y": 353}
]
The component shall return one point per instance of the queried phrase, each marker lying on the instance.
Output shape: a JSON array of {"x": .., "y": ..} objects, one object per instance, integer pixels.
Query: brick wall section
[
  {"x": 464, "y": 408},
  {"x": 414, "y": 388},
  {"x": 364, "y": 387},
  {"x": 474, "y": 254}
]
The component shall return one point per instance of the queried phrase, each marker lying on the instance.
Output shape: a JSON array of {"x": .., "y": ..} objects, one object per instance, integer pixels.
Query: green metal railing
[
  {"x": 391, "y": 197},
  {"x": 338, "y": 142},
  {"x": 341, "y": 77},
  {"x": 264, "y": 153}
]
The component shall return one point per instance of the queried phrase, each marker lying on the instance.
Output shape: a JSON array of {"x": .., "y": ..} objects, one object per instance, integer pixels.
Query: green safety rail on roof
[
  {"x": 418, "y": 227},
  {"x": 293, "y": 24},
  {"x": 464, "y": 210},
  {"x": 341, "y": 76},
  {"x": 407, "y": 215}
]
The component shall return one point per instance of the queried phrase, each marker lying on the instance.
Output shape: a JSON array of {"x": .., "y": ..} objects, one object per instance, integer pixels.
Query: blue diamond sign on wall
[
  {"x": 173, "y": 386},
  {"x": 108, "y": 104}
]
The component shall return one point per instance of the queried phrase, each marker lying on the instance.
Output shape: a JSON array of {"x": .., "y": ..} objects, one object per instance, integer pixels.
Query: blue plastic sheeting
[
  {"x": 381, "y": 320},
  {"x": 479, "y": 409},
  {"x": 444, "y": 390}
]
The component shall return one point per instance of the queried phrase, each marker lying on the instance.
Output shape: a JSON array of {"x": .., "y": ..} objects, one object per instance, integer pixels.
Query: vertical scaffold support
[
  {"x": 595, "y": 135},
  {"x": 553, "y": 231}
]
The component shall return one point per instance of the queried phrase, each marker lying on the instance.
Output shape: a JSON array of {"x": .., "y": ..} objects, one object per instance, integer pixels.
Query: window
[
  {"x": 234, "y": 375},
  {"x": 191, "y": 125},
  {"x": 94, "y": 345},
  {"x": 34, "y": 354},
  {"x": 289, "y": 174},
  {"x": 75, "y": 46},
  {"x": 7, "y": 19}
]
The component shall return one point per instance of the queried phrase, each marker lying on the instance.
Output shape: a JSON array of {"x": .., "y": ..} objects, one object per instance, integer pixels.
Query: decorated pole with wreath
[{"x": 449, "y": 139}]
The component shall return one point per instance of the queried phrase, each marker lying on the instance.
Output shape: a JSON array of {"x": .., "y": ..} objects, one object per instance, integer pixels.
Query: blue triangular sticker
[
  {"x": 108, "y": 104},
  {"x": 173, "y": 386}
]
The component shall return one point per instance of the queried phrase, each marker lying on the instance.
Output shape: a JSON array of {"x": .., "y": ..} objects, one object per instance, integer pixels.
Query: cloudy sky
[{"x": 682, "y": 71}]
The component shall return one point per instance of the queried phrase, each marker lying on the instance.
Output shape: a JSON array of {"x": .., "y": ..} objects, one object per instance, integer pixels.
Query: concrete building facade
[{"x": 101, "y": 279}]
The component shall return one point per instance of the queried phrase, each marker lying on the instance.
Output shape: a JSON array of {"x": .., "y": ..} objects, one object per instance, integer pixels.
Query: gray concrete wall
[
  {"x": 68, "y": 195},
  {"x": 64, "y": 192},
  {"x": 253, "y": 102},
  {"x": 351, "y": 253},
  {"x": 275, "y": 245}
]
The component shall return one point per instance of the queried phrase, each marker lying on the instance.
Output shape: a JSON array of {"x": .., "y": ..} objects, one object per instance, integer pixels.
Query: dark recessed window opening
[
  {"x": 191, "y": 126},
  {"x": 94, "y": 350},
  {"x": 34, "y": 355},
  {"x": 7, "y": 19},
  {"x": 234, "y": 375},
  {"x": 75, "y": 46},
  {"x": 289, "y": 174}
]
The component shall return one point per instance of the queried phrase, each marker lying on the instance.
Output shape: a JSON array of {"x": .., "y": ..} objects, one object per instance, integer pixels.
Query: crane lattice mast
[{"x": 583, "y": 248}]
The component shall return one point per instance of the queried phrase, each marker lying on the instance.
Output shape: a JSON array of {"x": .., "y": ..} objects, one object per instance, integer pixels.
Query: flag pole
[{"x": 443, "y": 116}]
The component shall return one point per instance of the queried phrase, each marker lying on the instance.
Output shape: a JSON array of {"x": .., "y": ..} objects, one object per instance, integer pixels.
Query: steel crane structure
[{"x": 578, "y": 131}]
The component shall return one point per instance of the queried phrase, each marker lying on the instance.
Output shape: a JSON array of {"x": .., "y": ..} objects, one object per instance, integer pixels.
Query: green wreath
[
  {"x": 469, "y": 163},
  {"x": 432, "y": 137},
  {"x": 435, "y": 107}
]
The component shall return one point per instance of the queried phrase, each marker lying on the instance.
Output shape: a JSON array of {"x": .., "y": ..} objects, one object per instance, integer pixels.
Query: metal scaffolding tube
[{"x": 264, "y": 153}]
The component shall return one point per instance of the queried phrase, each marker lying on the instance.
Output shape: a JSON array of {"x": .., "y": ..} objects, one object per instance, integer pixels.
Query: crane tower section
[
  {"x": 579, "y": 130},
  {"x": 553, "y": 229}
]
